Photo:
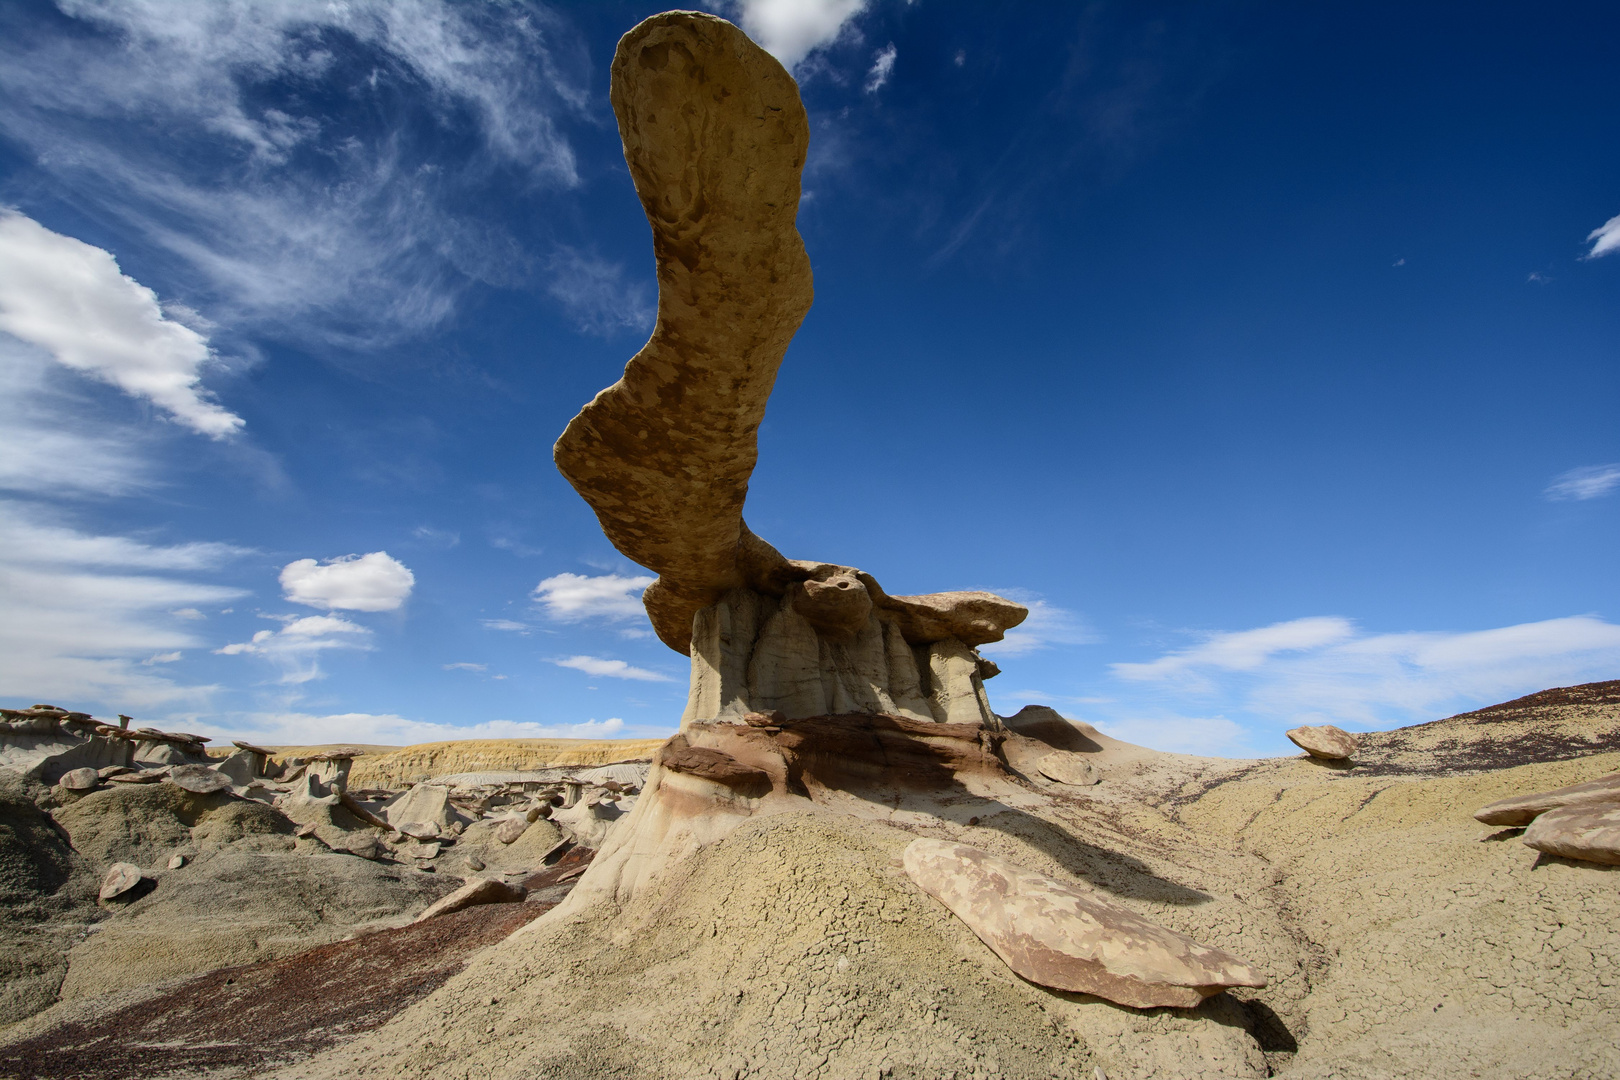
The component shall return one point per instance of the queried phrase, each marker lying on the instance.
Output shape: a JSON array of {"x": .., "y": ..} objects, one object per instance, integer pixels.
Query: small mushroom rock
[
  {"x": 200, "y": 779},
  {"x": 1060, "y": 936},
  {"x": 1067, "y": 768},
  {"x": 1523, "y": 809},
  {"x": 121, "y": 878},
  {"x": 1589, "y": 832},
  {"x": 480, "y": 891},
  {"x": 79, "y": 779},
  {"x": 1324, "y": 741}
]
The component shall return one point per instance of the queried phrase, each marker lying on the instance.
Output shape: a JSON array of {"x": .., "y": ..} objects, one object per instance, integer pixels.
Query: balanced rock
[
  {"x": 1589, "y": 831},
  {"x": 79, "y": 779},
  {"x": 511, "y": 829},
  {"x": 1067, "y": 768},
  {"x": 1324, "y": 741},
  {"x": 121, "y": 878},
  {"x": 200, "y": 779},
  {"x": 1060, "y": 936},
  {"x": 1523, "y": 809},
  {"x": 474, "y": 893}
]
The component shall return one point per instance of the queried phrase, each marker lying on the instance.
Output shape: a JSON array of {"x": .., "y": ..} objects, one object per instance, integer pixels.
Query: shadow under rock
[{"x": 871, "y": 756}]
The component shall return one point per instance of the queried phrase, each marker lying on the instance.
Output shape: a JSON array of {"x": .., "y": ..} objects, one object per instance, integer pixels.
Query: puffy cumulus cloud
[
  {"x": 1587, "y": 482},
  {"x": 790, "y": 30},
  {"x": 88, "y": 617},
  {"x": 386, "y": 729},
  {"x": 372, "y": 582},
  {"x": 573, "y": 597},
  {"x": 70, "y": 299},
  {"x": 1324, "y": 670},
  {"x": 611, "y": 669},
  {"x": 1605, "y": 238},
  {"x": 295, "y": 648}
]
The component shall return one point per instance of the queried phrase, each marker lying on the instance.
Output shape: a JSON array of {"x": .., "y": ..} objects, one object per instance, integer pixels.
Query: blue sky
[{"x": 1267, "y": 351}]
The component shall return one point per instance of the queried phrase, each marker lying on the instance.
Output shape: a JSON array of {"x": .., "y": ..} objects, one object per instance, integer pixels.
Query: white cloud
[
  {"x": 296, "y": 647},
  {"x": 572, "y": 597},
  {"x": 271, "y": 148},
  {"x": 596, "y": 293},
  {"x": 1047, "y": 625},
  {"x": 373, "y": 582},
  {"x": 1244, "y": 650},
  {"x": 442, "y": 538},
  {"x": 305, "y": 729},
  {"x": 70, "y": 299},
  {"x": 83, "y": 613},
  {"x": 612, "y": 669},
  {"x": 510, "y": 625},
  {"x": 1605, "y": 238},
  {"x": 1588, "y": 482},
  {"x": 1323, "y": 670},
  {"x": 792, "y": 29},
  {"x": 882, "y": 66},
  {"x": 465, "y": 666}
]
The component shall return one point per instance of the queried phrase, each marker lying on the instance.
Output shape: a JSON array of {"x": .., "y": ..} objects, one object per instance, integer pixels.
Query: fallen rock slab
[
  {"x": 121, "y": 878},
  {"x": 1059, "y": 936},
  {"x": 1589, "y": 832},
  {"x": 1066, "y": 768},
  {"x": 1523, "y": 809},
  {"x": 1324, "y": 741},
  {"x": 474, "y": 893}
]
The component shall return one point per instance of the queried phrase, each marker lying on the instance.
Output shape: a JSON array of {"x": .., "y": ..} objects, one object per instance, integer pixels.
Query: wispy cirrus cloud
[
  {"x": 1047, "y": 625},
  {"x": 1325, "y": 669},
  {"x": 85, "y": 611},
  {"x": 1605, "y": 239},
  {"x": 610, "y": 669},
  {"x": 1587, "y": 482},
  {"x": 388, "y": 729},
  {"x": 289, "y": 158}
]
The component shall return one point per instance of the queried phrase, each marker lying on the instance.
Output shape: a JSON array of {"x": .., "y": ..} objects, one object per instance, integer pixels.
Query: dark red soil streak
[{"x": 254, "y": 1017}]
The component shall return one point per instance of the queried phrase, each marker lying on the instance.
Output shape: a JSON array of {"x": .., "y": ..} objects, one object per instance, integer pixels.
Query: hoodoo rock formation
[
  {"x": 812, "y": 688},
  {"x": 715, "y": 137}
]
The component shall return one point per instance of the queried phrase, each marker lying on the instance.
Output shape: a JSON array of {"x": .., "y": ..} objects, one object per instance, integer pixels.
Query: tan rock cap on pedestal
[
  {"x": 1059, "y": 936},
  {"x": 1324, "y": 741},
  {"x": 1586, "y": 831}
]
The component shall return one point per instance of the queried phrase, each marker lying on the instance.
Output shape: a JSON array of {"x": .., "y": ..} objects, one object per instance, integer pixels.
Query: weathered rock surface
[
  {"x": 424, "y": 804},
  {"x": 200, "y": 779},
  {"x": 1589, "y": 831},
  {"x": 120, "y": 878},
  {"x": 1067, "y": 768},
  {"x": 1060, "y": 936},
  {"x": 472, "y": 894},
  {"x": 1523, "y": 809},
  {"x": 1324, "y": 741},
  {"x": 80, "y": 779}
]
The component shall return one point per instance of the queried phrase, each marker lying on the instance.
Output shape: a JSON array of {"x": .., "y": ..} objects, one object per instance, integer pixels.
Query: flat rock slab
[
  {"x": 474, "y": 893},
  {"x": 1066, "y": 768},
  {"x": 1523, "y": 809},
  {"x": 1586, "y": 831},
  {"x": 79, "y": 779},
  {"x": 1059, "y": 936},
  {"x": 121, "y": 878},
  {"x": 1324, "y": 741},
  {"x": 199, "y": 778}
]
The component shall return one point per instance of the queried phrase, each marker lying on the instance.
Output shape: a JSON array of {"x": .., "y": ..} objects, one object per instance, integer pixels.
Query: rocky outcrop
[
  {"x": 715, "y": 138},
  {"x": 1071, "y": 939},
  {"x": 1324, "y": 741},
  {"x": 475, "y": 892},
  {"x": 1072, "y": 769},
  {"x": 1523, "y": 809},
  {"x": 1588, "y": 831}
]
